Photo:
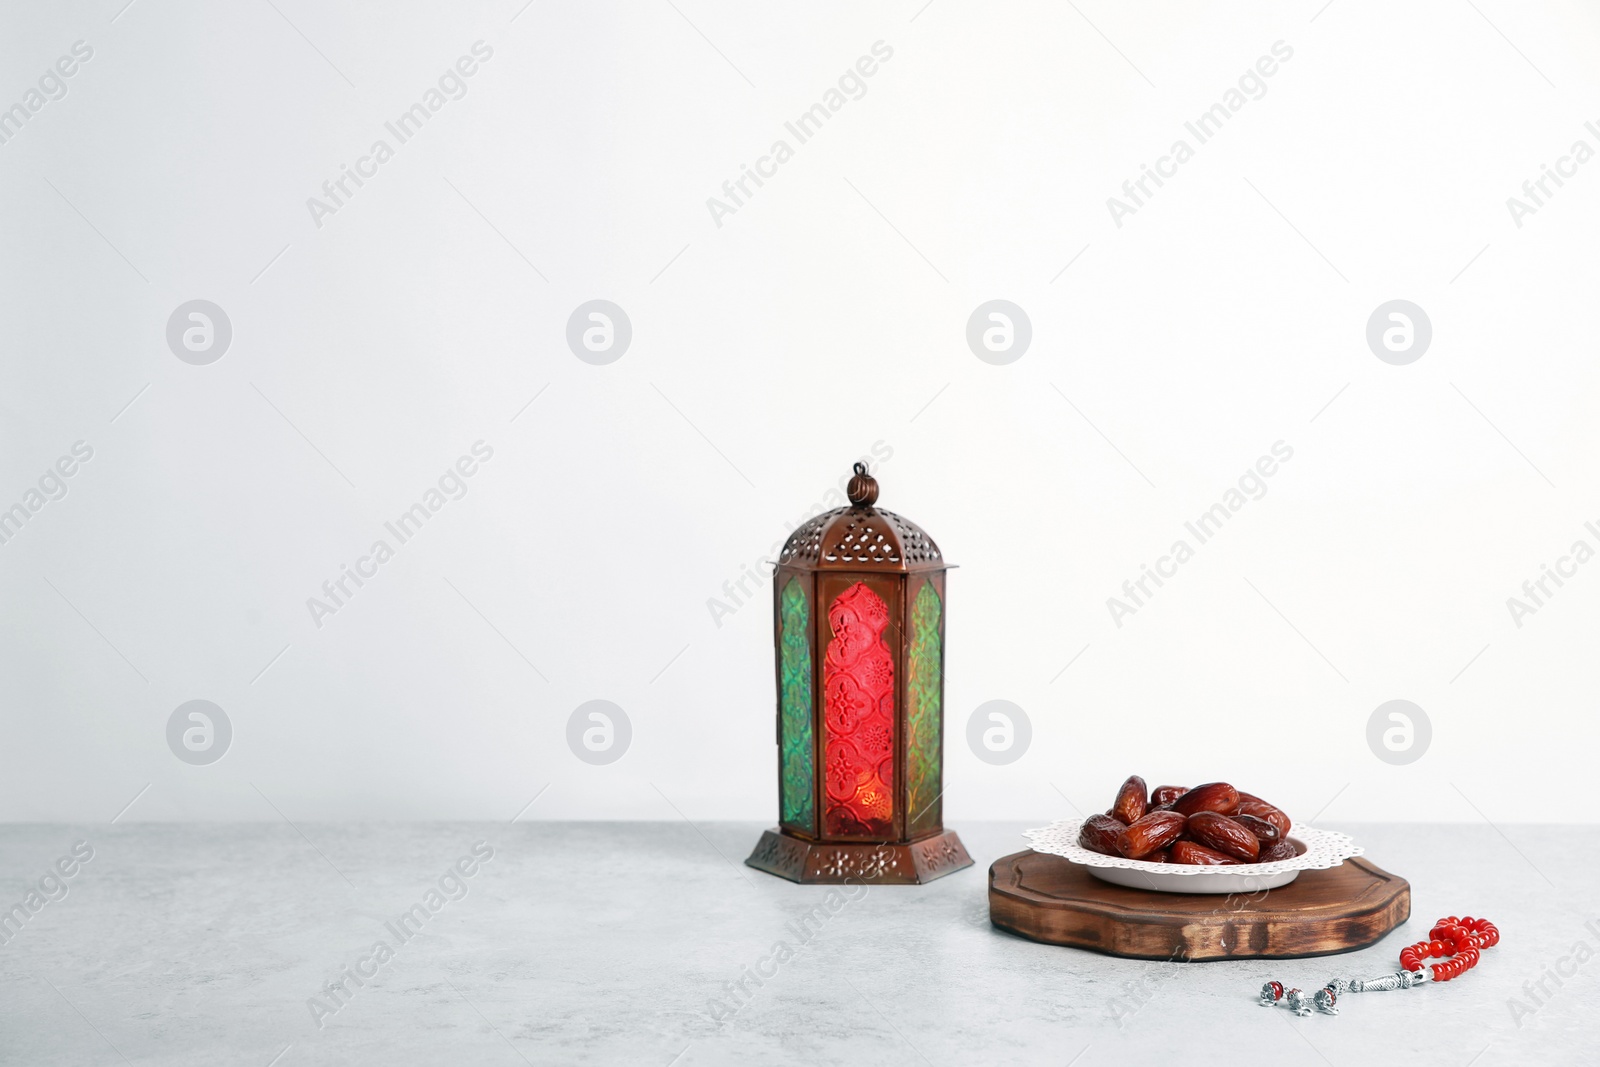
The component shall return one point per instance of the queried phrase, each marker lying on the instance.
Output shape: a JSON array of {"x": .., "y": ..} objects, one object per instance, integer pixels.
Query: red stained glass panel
[{"x": 858, "y": 680}]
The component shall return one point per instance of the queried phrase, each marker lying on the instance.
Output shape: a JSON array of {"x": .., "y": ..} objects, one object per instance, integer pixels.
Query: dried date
[
  {"x": 1155, "y": 831},
  {"x": 1132, "y": 801},
  {"x": 1198, "y": 855},
  {"x": 1265, "y": 831},
  {"x": 1254, "y": 805},
  {"x": 1166, "y": 794},
  {"x": 1281, "y": 849},
  {"x": 1219, "y": 797},
  {"x": 1223, "y": 834},
  {"x": 1099, "y": 834}
]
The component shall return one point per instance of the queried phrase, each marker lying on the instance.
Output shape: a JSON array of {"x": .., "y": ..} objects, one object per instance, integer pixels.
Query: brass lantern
[{"x": 859, "y": 606}]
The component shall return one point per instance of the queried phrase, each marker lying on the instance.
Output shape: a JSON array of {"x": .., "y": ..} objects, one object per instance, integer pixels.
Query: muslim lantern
[{"x": 858, "y": 599}]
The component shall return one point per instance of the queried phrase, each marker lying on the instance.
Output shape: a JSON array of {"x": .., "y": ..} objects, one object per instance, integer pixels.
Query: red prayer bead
[{"x": 1462, "y": 940}]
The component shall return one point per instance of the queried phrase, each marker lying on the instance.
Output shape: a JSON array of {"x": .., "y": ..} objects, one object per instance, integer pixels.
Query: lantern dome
[{"x": 861, "y": 536}]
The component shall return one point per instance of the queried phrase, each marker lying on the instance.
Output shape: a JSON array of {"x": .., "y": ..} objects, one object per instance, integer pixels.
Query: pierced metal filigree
[{"x": 861, "y": 537}]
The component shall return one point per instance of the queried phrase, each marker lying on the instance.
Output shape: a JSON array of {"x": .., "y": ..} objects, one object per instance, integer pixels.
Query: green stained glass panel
[
  {"x": 924, "y": 713},
  {"x": 797, "y": 790}
]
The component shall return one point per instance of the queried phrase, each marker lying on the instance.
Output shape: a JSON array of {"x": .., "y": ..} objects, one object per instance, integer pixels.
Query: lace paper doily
[{"x": 1323, "y": 849}]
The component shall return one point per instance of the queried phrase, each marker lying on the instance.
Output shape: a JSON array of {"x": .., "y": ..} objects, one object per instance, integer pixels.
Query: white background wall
[{"x": 826, "y": 315}]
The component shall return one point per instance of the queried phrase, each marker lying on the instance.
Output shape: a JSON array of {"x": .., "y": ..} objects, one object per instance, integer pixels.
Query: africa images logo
[
  {"x": 451, "y": 85},
  {"x": 451, "y": 886},
  {"x": 805, "y": 126},
  {"x": 452, "y": 485},
  {"x": 52, "y": 86},
  {"x": 49, "y": 889},
  {"x": 1205, "y": 126},
  {"x": 52, "y": 486}
]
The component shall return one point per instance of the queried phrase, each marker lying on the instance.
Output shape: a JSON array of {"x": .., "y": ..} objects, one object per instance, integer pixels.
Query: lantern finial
[{"x": 863, "y": 487}]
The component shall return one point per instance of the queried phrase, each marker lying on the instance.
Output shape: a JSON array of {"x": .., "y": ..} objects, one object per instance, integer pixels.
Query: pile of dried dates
[{"x": 1209, "y": 825}]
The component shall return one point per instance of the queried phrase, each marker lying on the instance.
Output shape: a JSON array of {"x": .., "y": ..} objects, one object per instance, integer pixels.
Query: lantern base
[{"x": 890, "y": 863}]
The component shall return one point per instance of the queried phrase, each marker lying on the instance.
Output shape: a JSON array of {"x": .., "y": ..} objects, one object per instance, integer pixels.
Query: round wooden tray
[{"x": 1048, "y": 899}]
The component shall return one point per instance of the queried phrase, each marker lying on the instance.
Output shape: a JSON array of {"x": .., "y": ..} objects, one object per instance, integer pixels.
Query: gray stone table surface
[{"x": 625, "y": 943}]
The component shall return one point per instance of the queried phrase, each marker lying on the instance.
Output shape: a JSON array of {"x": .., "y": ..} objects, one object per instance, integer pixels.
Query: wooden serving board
[{"x": 1048, "y": 899}]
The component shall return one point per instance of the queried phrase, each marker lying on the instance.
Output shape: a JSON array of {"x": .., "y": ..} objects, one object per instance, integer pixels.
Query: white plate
[{"x": 1319, "y": 850}]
